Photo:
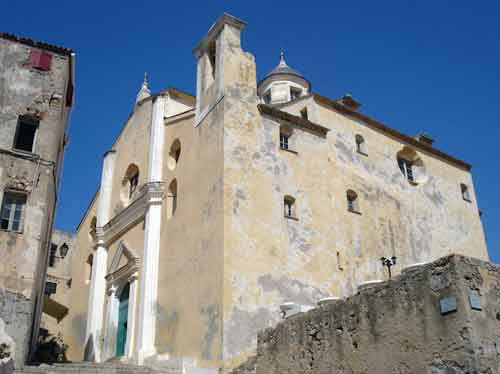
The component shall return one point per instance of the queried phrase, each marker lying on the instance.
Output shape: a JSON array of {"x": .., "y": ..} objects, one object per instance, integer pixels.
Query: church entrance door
[{"x": 122, "y": 321}]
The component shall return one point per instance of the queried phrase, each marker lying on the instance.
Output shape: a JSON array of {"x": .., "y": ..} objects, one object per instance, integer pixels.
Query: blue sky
[{"x": 429, "y": 66}]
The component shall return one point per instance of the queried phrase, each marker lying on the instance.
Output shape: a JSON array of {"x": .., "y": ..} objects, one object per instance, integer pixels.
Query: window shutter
[
  {"x": 40, "y": 59},
  {"x": 35, "y": 57},
  {"x": 45, "y": 61}
]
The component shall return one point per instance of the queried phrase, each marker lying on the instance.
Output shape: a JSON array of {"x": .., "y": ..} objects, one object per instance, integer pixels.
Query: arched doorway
[{"x": 121, "y": 337}]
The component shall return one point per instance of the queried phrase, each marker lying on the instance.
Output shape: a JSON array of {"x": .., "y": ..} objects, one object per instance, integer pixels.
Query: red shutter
[
  {"x": 45, "y": 61},
  {"x": 35, "y": 57},
  {"x": 40, "y": 59}
]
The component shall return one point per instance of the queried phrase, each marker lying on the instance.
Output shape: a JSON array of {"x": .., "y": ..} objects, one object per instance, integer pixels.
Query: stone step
[{"x": 88, "y": 368}]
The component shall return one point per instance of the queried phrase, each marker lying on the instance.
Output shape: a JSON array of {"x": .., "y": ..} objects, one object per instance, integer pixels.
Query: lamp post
[{"x": 388, "y": 262}]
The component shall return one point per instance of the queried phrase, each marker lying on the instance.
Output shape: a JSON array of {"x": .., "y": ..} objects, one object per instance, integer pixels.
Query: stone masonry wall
[{"x": 443, "y": 317}]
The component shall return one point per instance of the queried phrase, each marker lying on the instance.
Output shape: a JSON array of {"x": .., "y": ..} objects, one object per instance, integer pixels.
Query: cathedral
[{"x": 214, "y": 210}]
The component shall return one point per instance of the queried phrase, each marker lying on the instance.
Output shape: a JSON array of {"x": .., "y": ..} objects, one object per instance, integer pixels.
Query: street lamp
[{"x": 388, "y": 262}]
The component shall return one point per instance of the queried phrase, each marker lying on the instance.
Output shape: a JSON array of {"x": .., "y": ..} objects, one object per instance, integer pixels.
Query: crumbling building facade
[
  {"x": 215, "y": 209},
  {"x": 36, "y": 97}
]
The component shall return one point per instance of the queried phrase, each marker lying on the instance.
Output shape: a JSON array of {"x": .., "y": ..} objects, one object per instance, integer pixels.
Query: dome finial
[{"x": 282, "y": 58}]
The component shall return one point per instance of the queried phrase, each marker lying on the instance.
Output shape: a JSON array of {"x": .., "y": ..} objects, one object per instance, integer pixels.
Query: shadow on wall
[{"x": 89, "y": 354}]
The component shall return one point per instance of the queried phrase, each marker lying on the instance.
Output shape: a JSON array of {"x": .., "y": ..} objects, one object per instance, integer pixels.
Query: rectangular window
[
  {"x": 27, "y": 128},
  {"x": 283, "y": 141},
  {"x": 50, "y": 288},
  {"x": 40, "y": 60},
  {"x": 52, "y": 255},
  {"x": 465, "y": 192},
  {"x": 12, "y": 214}
]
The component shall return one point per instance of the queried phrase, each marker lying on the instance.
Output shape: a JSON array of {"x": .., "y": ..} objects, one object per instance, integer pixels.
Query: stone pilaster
[
  {"x": 149, "y": 274},
  {"x": 97, "y": 292}
]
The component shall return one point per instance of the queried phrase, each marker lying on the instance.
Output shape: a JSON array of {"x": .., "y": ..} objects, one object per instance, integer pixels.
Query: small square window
[
  {"x": 284, "y": 141},
  {"x": 465, "y": 192},
  {"x": 27, "y": 128},
  {"x": 12, "y": 214},
  {"x": 50, "y": 288}
]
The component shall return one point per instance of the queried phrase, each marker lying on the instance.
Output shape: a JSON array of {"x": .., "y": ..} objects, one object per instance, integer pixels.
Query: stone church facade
[{"x": 215, "y": 210}]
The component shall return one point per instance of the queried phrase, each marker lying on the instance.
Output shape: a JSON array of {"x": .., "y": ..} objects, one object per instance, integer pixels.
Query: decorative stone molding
[
  {"x": 151, "y": 193},
  {"x": 126, "y": 272}
]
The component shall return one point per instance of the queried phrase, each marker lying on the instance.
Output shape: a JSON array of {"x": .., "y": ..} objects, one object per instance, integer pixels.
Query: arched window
[
  {"x": 63, "y": 250},
  {"x": 361, "y": 145},
  {"x": 174, "y": 154},
  {"x": 289, "y": 206},
  {"x": 130, "y": 183},
  {"x": 286, "y": 140},
  {"x": 172, "y": 199},
  {"x": 411, "y": 166},
  {"x": 406, "y": 167},
  {"x": 465, "y": 192},
  {"x": 352, "y": 201}
]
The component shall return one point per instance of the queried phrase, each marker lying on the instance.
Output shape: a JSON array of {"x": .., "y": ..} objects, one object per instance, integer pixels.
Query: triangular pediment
[{"x": 124, "y": 256}]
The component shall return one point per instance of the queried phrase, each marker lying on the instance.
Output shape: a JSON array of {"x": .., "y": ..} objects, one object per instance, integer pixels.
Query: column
[
  {"x": 97, "y": 292},
  {"x": 111, "y": 325},
  {"x": 149, "y": 271},
  {"x": 132, "y": 308}
]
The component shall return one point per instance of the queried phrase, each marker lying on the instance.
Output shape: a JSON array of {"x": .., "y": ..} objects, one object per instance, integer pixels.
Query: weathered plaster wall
[
  {"x": 75, "y": 321},
  {"x": 189, "y": 320},
  {"x": 328, "y": 250},
  {"x": 25, "y": 90},
  {"x": 395, "y": 327}
]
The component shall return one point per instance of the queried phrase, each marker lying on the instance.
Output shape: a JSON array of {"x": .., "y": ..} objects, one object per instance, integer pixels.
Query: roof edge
[
  {"x": 389, "y": 130},
  {"x": 37, "y": 44}
]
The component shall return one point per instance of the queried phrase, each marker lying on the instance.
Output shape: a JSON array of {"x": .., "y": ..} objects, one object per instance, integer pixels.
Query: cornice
[
  {"x": 150, "y": 194},
  {"x": 293, "y": 120}
]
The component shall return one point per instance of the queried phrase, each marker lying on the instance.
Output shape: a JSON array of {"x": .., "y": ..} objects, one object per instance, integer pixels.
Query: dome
[
  {"x": 282, "y": 69},
  {"x": 282, "y": 74}
]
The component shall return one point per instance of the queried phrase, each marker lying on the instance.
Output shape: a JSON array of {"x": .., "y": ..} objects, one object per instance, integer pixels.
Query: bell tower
[{"x": 217, "y": 67}]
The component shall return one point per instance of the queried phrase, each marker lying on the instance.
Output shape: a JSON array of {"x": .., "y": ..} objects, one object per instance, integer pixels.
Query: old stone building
[
  {"x": 58, "y": 283},
  {"x": 215, "y": 210},
  {"x": 36, "y": 97}
]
